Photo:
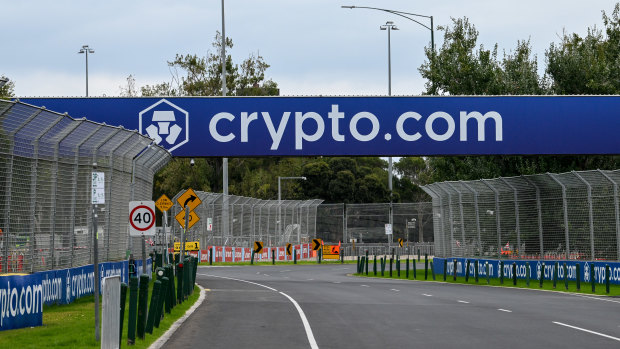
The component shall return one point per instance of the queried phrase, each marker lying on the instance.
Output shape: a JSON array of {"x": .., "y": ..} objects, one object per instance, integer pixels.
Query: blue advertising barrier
[
  {"x": 535, "y": 266},
  {"x": 22, "y": 296},
  {"x": 371, "y": 126}
]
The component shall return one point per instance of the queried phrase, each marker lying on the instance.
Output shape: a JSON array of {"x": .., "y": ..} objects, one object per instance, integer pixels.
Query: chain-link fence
[
  {"x": 46, "y": 161},
  {"x": 249, "y": 220},
  {"x": 572, "y": 215}
]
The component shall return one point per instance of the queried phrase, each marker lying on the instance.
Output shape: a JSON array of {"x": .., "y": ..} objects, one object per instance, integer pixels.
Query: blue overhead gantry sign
[{"x": 372, "y": 126}]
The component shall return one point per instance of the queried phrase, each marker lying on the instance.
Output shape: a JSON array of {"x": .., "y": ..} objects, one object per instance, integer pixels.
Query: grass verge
[
  {"x": 73, "y": 326},
  {"x": 586, "y": 288}
]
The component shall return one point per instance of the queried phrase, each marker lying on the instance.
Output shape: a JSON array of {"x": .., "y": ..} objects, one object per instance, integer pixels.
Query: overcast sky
[{"x": 314, "y": 46}]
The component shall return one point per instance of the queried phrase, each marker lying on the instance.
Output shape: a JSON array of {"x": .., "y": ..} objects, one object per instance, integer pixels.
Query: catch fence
[
  {"x": 572, "y": 215},
  {"x": 46, "y": 161}
]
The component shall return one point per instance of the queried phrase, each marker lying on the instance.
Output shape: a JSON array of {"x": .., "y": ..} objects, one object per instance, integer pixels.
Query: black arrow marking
[
  {"x": 317, "y": 244},
  {"x": 288, "y": 249},
  {"x": 259, "y": 247},
  {"x": 191, "y": 198}
]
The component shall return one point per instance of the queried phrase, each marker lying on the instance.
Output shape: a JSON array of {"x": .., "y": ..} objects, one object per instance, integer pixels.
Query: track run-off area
[{"x": 323, "y": 306}]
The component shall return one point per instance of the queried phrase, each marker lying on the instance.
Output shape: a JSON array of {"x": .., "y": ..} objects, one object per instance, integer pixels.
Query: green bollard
[
  {"x": 374, "y": 266},
  {"x": 432, "y": 271},
  {"x": 565, "y": 277},
  {"x": 514, "y": 274},
  {"x": 294, "y": 256},
  {"x": 578, "y": 276},
  {"x": 179, "y": 283},
  {"x": 383, "y": 265},
  {"x": 320, "y": 255},
  {"x": 407, "y": 269},
  {"x": 454, "y": 273},
  {"x": 445, "y": 269},
  {"x": 133, "y": 310},
  {"x": 252, "y": 258},
  {"x": 122, "y": 317},
  {"x": 150, "y": 320},
  {"x": 172, "y": 298},
  {"x": 143, "y": 295},
  {"x": 467, "y": 271},
  {"x": 211, "y": 256},
  {"x": 415, "y": 272},
  {"x": 501, "y": 272},
  {"x": 487, "y": 266},
  {"x": 476, "y": 267},
  {"x": 593, "y": 278},
  {"x": 418, "y": 254},
  {"x": 366, "y": 262},
  {"x": 528, "y": 272},
  {"x": 162, "y": 296},
  {"x": 555, "y": 274},
  {"x": 359, "y": 261},
  {"x": 391, "y": 263},
  {"x": 426, "y": 266},
  {"x": 542, "y": 276},
  {"x": 607, "y": 277},
  {"x": 273, "y": 257}
]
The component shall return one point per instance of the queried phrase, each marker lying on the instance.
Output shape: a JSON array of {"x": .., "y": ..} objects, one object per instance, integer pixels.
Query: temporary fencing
[
  {"x": 46, "y": 161},
  {"x": 573, "y": 215}
]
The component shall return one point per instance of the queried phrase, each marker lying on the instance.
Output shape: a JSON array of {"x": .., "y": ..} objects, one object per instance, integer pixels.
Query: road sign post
[
  {"x": 164, "y": 204},
  {"x": 97, "y": 197}
]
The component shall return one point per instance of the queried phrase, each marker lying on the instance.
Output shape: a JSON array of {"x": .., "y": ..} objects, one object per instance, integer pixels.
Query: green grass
[
  {"x": 586, "y": 288},
  {"x": 73, "y": 326}
]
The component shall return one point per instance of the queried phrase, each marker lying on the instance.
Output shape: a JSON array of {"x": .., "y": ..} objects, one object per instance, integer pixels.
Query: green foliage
[{"x": 8, "y": 90}]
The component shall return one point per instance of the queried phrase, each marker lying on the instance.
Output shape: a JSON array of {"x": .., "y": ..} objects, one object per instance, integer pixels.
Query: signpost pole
[
  {"x": 165, "y": 245},
  {"x": 95, "y": 250},
  {"x": 184, "y": 234}
]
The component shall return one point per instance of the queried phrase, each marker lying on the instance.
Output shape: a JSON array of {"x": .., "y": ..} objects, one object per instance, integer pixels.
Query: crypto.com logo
[{"x": 166, "y": 124}]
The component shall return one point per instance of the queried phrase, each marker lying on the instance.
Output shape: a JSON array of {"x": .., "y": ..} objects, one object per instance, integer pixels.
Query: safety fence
[
  {"x": 573, "y": 216},
  {"x": 248, "y": 220},
  {"x": 46, "y": 161},
  {"x": 231, "y": 254},
  {"x": 408, "y": 249}
]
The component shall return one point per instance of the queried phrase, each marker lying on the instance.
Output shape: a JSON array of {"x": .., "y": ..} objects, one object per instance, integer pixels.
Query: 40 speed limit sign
[{"x": 141, "y": 218}]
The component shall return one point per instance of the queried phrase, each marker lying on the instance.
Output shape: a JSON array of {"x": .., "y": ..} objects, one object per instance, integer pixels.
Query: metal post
[
  {"x": 477, "y": 215},
  {"x": 96, "y": 263},
  {"x": 539, "y": 211},
  {"x": 617, "y": 211},
  {"x": 460, "y": 211},
  {"x": 451, "y": 220},
  {"x": 497, "y": 217},
  {"x": 441, "y": 224},
  {"x": 565, "y": 206},
  {"x": 590, "y": 214},
  {"x": 516, "y": 198}
]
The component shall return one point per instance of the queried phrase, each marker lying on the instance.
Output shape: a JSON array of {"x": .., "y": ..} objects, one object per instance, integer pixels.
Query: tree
[{"x": 8, "y": 90}]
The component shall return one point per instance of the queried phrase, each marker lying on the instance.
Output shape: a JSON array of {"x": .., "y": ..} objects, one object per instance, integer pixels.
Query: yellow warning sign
[
  {"x": 331, "y": 252},
  {"x": 163, "y": 203},
  {"x": 189, "y": 246}
]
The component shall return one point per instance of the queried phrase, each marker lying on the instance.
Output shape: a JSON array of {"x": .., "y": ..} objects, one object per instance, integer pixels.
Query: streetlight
[
  {"x": 85, "y": 49},
  {"x": 280, "y": 201},
  {"x": 389, "y": 26}
]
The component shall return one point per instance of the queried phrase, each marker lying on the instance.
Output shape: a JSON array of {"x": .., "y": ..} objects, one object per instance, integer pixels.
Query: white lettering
[
  {"x": 481, "y": 119},
  {"x": 213, "y": 127},
  {"x": 300, "y": 135},
  {"x": 401, "y": 123},
  {"x": 245, "y": 122},
  {"x": 353, "y": 126},
  {"x": 276, "y": 136},
  {"x": 336, "y": 115},
  {"x": 429, "y": 126}
]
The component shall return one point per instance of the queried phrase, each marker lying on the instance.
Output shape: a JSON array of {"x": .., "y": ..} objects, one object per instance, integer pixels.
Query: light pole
[
  {"x": 389, "y": 26},
  {"x": 85, "y": 49},
  {"x": 280, "y": 201},
  {"x": 225, "y": 225}
]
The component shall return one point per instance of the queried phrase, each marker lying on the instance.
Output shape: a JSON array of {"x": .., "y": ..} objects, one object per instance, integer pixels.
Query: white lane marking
[
  {"x": 310, "y": 279},
  {"x": 249, "y": 282},
  {"x": 304, "y": 320},
  {"x": 466, "y": 302},
  {"x": 505, "y": 310},
  {"x": 282, "y": 271},
  {"x": 336, "y": 282},
  {"x": 597, "y": 298},
  {"x": 311, "y": 339},
  {"x": 364, "y": 285},
  {"x": 266, "y": 274},
  {"x": 258, "y": 272},
  {"x": 589, "y": 331},
  {"x": 393, "y": 289},
  {"x": 427, "y": 295}
]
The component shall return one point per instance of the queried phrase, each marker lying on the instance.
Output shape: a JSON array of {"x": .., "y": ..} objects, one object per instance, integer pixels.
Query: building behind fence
[
  {"x": 572, "y": 215},
  {"x": 46, "y": 160}
]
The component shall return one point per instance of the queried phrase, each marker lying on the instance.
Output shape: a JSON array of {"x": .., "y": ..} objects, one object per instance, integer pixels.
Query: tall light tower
[{"x": 86, "y": 50}]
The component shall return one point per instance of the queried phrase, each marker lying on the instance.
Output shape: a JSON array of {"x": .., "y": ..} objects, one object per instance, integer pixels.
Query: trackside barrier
[
  {"x": 589, "y": 271},
  {"x": 22, "y": 296},
  {"x": 229, "y": 254}
]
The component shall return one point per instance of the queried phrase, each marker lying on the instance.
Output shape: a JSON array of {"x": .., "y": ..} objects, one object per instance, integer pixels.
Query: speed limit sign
[{"x": 141, "y": 218}]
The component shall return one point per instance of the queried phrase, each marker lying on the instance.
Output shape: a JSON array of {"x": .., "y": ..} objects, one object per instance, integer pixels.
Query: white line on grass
[{"x": 584, "y": 330}]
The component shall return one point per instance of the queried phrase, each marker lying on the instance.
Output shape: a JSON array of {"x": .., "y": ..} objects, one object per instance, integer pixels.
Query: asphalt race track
[{"x": 319, "y": 306}]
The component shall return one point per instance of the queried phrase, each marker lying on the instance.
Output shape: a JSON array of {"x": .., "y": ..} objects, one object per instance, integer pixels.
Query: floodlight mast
[{"x": 86, "y": 50}]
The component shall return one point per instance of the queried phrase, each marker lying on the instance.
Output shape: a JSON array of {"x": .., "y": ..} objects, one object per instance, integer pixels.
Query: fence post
[
  {"x": 578, "y": 276},
  {"x": 501, "y": 272},
  {"x": 607, "y": 277},
  {"x": 593, "y": 277},
  {"x": 477, "y": 215},
  {"x": 366, "y": 262},
  {"x": 616, "y": 210},
  {"x": 514, "y": 273},
  {"x": 590, "y": 213},
  {"x": 528, "y": 273},
  {"x": 565, "y": 207},
  {"x": 454, "y": 270},
  {"x": 542, "y": 276},
  {"x": 467, "y": 271},
  {"x": 476, "y": 267},
  {"x": 497, "y": 219},
  {"x": 565, "y": 277},
  {"x": 555, "y": 274},
  {"x": 516, "y": 199},
  {"x": 425, "y": 266}
]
